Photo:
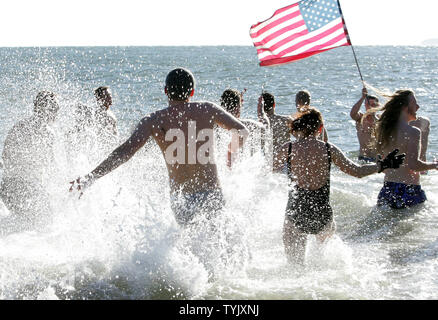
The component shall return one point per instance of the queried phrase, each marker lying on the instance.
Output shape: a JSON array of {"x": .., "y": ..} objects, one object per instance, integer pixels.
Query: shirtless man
[
  {"x": 365, "y": 126},
  {"x": 231, "y": 100},
  {"x": 302, "y": 103},
  {"x": 402, "y": 186},
  {"x": 105, "y": 118},
  {"x": 28, "y": 157},
  {"x": 279, "y": 124},
  {"x": 193, "y": 176}
]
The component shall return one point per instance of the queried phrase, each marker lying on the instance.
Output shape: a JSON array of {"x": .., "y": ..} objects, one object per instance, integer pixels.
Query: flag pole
[
  {"x": 351, "y": 44},
  {"x": 357, "y": 64}
]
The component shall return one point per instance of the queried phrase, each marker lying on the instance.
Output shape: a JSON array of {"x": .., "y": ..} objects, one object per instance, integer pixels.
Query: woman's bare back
[{"x": 310, "y": 163}]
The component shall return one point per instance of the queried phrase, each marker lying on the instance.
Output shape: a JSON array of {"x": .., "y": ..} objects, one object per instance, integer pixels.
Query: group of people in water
[
  {"x": 28, "y": 153},
  {"x": 184, "y": 132}
]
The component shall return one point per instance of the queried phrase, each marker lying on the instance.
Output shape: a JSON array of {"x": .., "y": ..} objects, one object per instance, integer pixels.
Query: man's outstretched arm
[{"x": 120, "y": 155}]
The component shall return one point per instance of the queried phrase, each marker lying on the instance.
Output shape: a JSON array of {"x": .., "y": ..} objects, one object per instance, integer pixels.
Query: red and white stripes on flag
[{"x": 298, "y": 31}]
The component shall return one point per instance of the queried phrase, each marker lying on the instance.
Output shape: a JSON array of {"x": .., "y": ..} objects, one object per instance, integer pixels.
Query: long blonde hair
[{"x": 388, "y": 120}]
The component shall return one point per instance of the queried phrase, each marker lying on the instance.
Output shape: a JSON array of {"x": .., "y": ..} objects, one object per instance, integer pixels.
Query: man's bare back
[
  {"x": 280, "y": 132},
  {"x": 365, "y": 136},
  {"x": 198, "y": 171},
  {"x": 184, "y": 131}
]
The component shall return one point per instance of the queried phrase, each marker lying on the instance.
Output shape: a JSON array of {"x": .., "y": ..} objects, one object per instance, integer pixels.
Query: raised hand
[
  {"x": 81, "y": 184},
  {"x": 391, "y": 161}
]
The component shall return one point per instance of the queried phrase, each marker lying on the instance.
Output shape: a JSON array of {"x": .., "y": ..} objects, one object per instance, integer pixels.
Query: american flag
[{"x": 299, "y": 31}]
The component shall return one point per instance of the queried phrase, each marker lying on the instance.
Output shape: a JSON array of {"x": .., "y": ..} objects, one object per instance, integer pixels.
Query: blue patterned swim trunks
[{"x": 400, "y": 195}]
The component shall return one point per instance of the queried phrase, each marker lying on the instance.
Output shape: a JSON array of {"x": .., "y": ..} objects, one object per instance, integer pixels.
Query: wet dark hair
[
  {"x": 268, "y": 102},
  {"x": 370, "y": 97},
  {"x": 302, "y": 98},
  {"x": 45, "y": 102},
  {"x": 100, "y": 92},
  {"x": 307, "y": 122},
  {"x": 231, "y": 100},
  {"x": 180, "y": 83}
]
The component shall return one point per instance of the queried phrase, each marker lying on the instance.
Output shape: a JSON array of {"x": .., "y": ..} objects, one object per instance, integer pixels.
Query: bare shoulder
[
  {"x": 422, "y": 123},
  {"x": 252, "y": 124},
  {"x": 283, "y": 118},
  {"x": 413, "y": 132},
  {"x": 425, "y": 122},
  {"x": 207, "y": 106},
  {"x": 333, "y": 148},
  {"x": 151, "y": 118}
]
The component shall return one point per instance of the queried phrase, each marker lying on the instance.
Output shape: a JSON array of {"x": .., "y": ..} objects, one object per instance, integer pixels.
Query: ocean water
[{"x": 120, "y": 240}]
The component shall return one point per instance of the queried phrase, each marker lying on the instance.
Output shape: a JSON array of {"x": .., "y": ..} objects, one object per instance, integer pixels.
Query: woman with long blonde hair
[{"x": 402, "y": 186}]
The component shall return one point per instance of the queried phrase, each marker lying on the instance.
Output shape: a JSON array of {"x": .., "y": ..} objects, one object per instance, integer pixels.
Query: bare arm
[
  {"x": 414, "y": 147},
  {"x": 225, "y": 120},
  {"x": 125, "y": 152},
  {"x": 261, "y": 114},
  {"x": 355, "y": 114},
  {"x": 349, "y": 167},
  {"x": 425, "y": 139}
]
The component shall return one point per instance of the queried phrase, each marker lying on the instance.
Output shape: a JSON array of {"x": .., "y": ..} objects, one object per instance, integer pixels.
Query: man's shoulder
[
  {"x": 20, "y": 126},
  {"x": 252, "y": 123},
  {"x": 281, "y": 117},
  {"x": 358, "y": 117},
  {"x": 281, "y": 121},
  {"x": 151, "y": 117},
  {"x": 205, "y": 105}
]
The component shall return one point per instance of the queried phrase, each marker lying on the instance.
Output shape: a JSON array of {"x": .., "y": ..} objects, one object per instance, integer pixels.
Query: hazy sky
[{"x": 196, "y": 22}]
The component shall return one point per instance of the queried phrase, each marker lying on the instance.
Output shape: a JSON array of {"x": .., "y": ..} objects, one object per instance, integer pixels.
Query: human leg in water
[
  {"x": 327, "y": 233},
  {"x": 294, "y": 243}
]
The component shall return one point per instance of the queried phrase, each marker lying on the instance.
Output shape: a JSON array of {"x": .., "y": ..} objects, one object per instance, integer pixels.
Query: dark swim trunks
[
  {"x": 310, "y": 210},
  {"x": 400, "y": 195},
  {"x": 188, "y": 207}
]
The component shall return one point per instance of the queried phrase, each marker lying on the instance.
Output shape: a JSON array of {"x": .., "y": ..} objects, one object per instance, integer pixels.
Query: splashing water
[{"x": 120, "y": 240}]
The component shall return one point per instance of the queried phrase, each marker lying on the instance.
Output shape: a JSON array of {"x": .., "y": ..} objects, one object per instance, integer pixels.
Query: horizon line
[{"x": 194, "y": 46}]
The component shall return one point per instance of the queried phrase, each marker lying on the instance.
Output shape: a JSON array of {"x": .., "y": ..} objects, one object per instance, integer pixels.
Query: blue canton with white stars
[{"x": 318, "y": 13}]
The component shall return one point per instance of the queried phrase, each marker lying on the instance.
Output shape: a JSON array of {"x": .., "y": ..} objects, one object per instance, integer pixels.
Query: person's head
[
  {"x": 307, "y": 123},
  {"x": 180, "y": 85},
  {"x": 402, "y": 105},
  {"x": 231, "y": 100},
  {"x": 103, "y": 97},
  {"x": 302, "y": 100},
  {"x": 46, "y": 106},
  {"x": 371, "y": 102},
  {"x": 268, "y": 103}
]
